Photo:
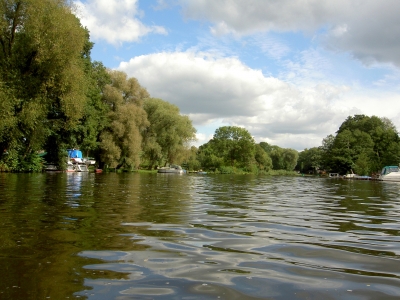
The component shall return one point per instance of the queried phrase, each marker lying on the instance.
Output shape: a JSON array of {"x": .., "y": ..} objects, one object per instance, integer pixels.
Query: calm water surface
[{"x": 166, "y": 236}]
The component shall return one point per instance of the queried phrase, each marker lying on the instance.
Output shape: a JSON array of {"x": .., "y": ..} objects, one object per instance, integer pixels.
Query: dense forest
[{"x": 54, "y": 97}]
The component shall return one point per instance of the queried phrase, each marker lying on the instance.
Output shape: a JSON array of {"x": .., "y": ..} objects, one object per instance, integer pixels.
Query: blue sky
[{"x": 288, "y": 71}]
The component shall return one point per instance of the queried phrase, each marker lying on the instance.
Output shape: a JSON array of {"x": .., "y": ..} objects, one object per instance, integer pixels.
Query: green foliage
[
  {"x": 52, "y": 97},
  {"x": 95, "y": 118},
  {"x": 283, "y": 159},
  {"x": 121, "y": 140},
  {"x": 262, "y": 158},
  {"x": 9, "y": 161},
  {"x": 290, "y": 157},
  {"x": 233, "y": 150},
  {"x": 362, "y": 143},
  {"x": 226, "y": 170},
  {"x": 191, "y": 162},
  {"x": 166, "y": 138},
  {"x": 42, "y": 76},
  {"x": 31, "y": 163},
  {"x": 362, "y": 165},
  {"x": 13, "y": 162},
  {"x": 234, "y": 144},
  {"x": 252, "y": 169},
  {"x": 209, "y": 160},
  {"x": 310, "y": 160},
  {"x": 267, "y": 147}
]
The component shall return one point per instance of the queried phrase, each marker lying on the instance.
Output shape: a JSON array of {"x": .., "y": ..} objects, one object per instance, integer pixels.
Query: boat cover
[{"x": 73, "y": 153}]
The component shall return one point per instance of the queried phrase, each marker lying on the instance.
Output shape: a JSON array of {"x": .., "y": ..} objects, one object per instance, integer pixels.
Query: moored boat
[
  {"x": 175, "y": 169},
  {"x": 76, "y": 162},
  {"x": 390, "y": 173}
]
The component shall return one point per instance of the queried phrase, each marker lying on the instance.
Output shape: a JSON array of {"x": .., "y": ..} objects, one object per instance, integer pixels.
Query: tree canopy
[
  {"x": 362, "y": 144},
  {"x": 168, "y": 134},
  {"x": 43, "y": 83}
]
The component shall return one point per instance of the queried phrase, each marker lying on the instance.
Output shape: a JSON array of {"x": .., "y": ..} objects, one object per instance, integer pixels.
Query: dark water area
[{"x": 167, "y": 236}]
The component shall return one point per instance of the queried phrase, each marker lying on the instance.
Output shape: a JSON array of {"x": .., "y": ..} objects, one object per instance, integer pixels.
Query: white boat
[
  {"x": 171, "y": 169},
  {"x": 76, "y": 167},
  {"x": 76, "y": 163},
  {"x": 390, "y": 173}
]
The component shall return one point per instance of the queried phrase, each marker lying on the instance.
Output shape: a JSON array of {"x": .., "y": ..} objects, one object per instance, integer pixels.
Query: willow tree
[
  {"x": 42, "y": 75},
  {"x": 167, "y": 138},
  {"x": 121, "y": 141}
]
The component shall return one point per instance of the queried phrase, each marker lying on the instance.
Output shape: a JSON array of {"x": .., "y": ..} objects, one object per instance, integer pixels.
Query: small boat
[
  {"x": 390, "y": 173},
  {"x": 76, "y": 167},
  {"x": 76, "y": 162},
  {"x": 171, "y": 169}
]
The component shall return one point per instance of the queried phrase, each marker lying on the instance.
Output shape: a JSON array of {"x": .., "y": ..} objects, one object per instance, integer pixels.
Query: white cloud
[
  {"x": 115, "y": 21},
  {"x": 314, "y": 90},
  {"x": 245, "y": 17},
  {"x": 225, "y": 90},
  {"x": 368, "y": 29}
]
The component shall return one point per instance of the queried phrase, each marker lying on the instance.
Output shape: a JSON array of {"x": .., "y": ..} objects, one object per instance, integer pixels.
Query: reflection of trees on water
[
  {"x": 42, "y": 233},
  {"x": 235, "y": 196},
  {"x": 366, "y": 195},
  {"x": 34, "y": 230},
  {"x": 165, "y": 198},
  {"x": 50, "y": 217},
  {"x": 365, "y": 202},
  {"x": 130, "y": 198}
]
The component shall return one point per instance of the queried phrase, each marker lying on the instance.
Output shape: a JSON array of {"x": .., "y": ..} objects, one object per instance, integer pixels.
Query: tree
[
  {"x": 363, "y": 140},
  {"x": 167, "y": 137},
  {"x": 362, "y": 165},
  {"x": 209, "y": 158},
  {"x": 267, "y": 147},
  {"x": 290, "y": 157},
  {"x": 95, "y": 118},
  {"x": 262, "y": 158},
  {"x": 235, "y": 145},
  {"x": 191, "y": 162},
  {"x": 121, "y": 141},
  {"x": 283, "y": 159},
  {"x": 310, "y": 160},
  {"x": 42, "y": 48},
  {"x": 276, "y": 155}
]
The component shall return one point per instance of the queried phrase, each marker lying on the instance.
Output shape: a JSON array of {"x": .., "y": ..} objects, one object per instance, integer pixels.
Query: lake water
[{"x": 167, "y": 236}]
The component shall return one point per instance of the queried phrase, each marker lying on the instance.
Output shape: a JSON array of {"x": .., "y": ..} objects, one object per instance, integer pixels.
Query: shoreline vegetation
[
  {"x": 216, "y": 172},
  {"x": 53, "y": 97}
]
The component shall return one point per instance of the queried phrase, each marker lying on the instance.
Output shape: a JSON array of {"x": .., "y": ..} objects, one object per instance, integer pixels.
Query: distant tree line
[
  {"x": 54, "y": 97},
  {"x": 362, "y": 145},
  {"x": 232, "y": 149}
]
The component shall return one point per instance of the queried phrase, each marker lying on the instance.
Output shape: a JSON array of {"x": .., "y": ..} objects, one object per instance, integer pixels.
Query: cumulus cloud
[
  {"x": 210, "y": 89},
  {"x": 115, "y": 21},
  {"x": 368, "y": 29}
]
